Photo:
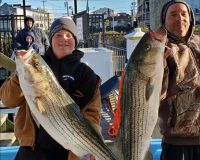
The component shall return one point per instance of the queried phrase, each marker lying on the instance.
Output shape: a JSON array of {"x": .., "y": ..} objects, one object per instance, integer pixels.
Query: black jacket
[{"x": 74, "y": 76}]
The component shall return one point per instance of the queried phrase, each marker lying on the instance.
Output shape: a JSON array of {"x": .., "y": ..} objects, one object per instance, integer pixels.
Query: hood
[
  {"x": 191, "y": 13},
  {"x": 29, "y": 33},
  {"x": 27, "y": 18}
]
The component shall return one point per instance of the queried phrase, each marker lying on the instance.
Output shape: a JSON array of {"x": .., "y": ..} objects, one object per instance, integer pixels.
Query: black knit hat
[
  {"x": 168, "y": 4},
  {"x": 65, "y": 23}
]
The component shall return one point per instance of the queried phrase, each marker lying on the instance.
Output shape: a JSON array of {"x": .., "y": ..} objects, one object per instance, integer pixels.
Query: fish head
[
  {"x": 33, "y": 73},
  {"x": 149, "y": 52}
]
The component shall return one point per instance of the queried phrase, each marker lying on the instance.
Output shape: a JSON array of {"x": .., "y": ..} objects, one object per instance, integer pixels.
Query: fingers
[{"x": 20, "y": 52}]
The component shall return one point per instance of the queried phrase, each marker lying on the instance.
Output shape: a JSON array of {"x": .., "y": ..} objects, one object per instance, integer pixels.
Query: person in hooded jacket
[
  {"x": 76, "y": 78},
  {"x": 40, "y": 37},
  {"x": 30, "y": 43},
  {"x": 179, "y": 111}
]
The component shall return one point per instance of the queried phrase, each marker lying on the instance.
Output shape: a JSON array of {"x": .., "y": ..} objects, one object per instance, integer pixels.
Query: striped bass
[
  {"x": 55, "y": 110},
  {"x": 140, "y": 95}
]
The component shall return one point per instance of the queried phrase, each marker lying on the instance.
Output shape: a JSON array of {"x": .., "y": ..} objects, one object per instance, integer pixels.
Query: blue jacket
[
  {"x": 40, "y": 38},
  {"x": 33, "y": 45}
]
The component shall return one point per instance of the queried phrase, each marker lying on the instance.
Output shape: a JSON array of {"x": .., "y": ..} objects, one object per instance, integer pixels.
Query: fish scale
[
  {"x": 136, "y": 91},
  {"x": 55, "y": 110},
  {"x": 59, "y": 113}
]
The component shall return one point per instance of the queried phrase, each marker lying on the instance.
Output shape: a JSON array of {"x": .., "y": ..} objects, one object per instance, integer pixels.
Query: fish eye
[{"x": 147, "y": 47}]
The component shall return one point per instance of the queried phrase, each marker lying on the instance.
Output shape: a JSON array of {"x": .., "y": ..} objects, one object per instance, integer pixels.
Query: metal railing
[{"x": 119, "y": 58}]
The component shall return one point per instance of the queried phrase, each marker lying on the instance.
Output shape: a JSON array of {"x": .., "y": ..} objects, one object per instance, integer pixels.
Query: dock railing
[{"x": 119, "y": 58}]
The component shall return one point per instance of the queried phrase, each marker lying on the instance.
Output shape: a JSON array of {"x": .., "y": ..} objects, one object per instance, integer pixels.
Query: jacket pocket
[{"x": 185, "y": 114}]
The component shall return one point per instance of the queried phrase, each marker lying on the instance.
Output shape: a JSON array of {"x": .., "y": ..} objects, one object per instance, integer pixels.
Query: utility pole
[
  {"x": 75, "y": 6},
  {"x": 113, "y": 17},
  {"x": 87, "y": 7},
  {"x": 43, "y": 1},
  {"x": 24, "y": 8},
  {"x": 71, "y": 8},
  {"x": 66, "y": 6}
]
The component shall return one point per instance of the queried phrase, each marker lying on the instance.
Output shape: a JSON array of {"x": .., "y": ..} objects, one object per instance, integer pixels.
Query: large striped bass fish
[
  {"x": 140, "y": 96},
  {"x": 56, "y": 111}
]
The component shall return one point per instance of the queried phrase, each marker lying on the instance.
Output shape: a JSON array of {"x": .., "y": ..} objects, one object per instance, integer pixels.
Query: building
[
  {"x": 143, "y": 13},
  {"x": 121, "y": 22},
  {"x": 105, "y": 11},
  {"x": 42, "y": 18},
  {"x": 115, "y": 21},
  {"x": 196, "y": 8}
]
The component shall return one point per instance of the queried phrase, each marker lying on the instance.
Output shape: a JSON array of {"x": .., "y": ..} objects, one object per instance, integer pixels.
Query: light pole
[
  {"x": 133, "y": 7},
  {"x": 66, "y": 6},
  {"x": 71, "y": 8},
  {"x": 75, "y": 6},
  {"x": 113, "y": 17},
  {"x": 44, "y": 23}
]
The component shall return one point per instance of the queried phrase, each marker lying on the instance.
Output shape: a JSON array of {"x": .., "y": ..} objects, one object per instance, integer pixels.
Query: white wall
[{"x": 100, "y": 60}]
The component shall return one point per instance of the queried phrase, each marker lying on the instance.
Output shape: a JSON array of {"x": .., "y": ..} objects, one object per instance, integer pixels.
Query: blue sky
[{"x": 57, "y": 6}]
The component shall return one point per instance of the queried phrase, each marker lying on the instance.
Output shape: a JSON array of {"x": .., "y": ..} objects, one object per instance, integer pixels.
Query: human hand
[
  {"x": 86, "y": 157},
  {"x": 21, "y": 53},
  {"x": 91, "y": 157},
  {"x": 18, "y": 53},
  {"x": 31, "y": 80}
]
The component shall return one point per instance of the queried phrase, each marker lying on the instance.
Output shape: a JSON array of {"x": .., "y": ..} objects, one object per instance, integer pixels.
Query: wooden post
[{"x": 155, "y": 12}]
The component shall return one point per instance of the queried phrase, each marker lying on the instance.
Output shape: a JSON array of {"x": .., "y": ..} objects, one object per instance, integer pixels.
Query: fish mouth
[
  {"x": 159, "y": 35},
  {"x": 29, "y": 58}
]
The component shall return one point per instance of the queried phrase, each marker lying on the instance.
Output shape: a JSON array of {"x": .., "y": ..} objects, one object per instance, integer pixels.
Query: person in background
[
  {"x": 179, "y": 111},
  {"x": 40, "y": 37},
  {"x": 30, "y": 43},
  {"x": 76, "y": 78}
]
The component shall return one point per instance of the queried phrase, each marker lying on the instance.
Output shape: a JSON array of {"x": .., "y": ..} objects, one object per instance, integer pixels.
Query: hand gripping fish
[
  {"x": 55, "y": 110},
  {"x": 141, "y": 95}
]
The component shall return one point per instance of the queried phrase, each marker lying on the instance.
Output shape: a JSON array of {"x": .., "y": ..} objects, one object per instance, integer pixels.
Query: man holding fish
[
  {"x": 76, "y": 78},
  {"x": 179, "y": 85},
  {"x": 169, "y": 90},
  {"x": 179, "y": 112}
]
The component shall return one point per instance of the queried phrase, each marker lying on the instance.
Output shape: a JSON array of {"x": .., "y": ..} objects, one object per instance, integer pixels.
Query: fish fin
[
  {"x": 149, "y": 89},
  {"x": 148, "y": 155},
  {"x": 40, "y": 106}
]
